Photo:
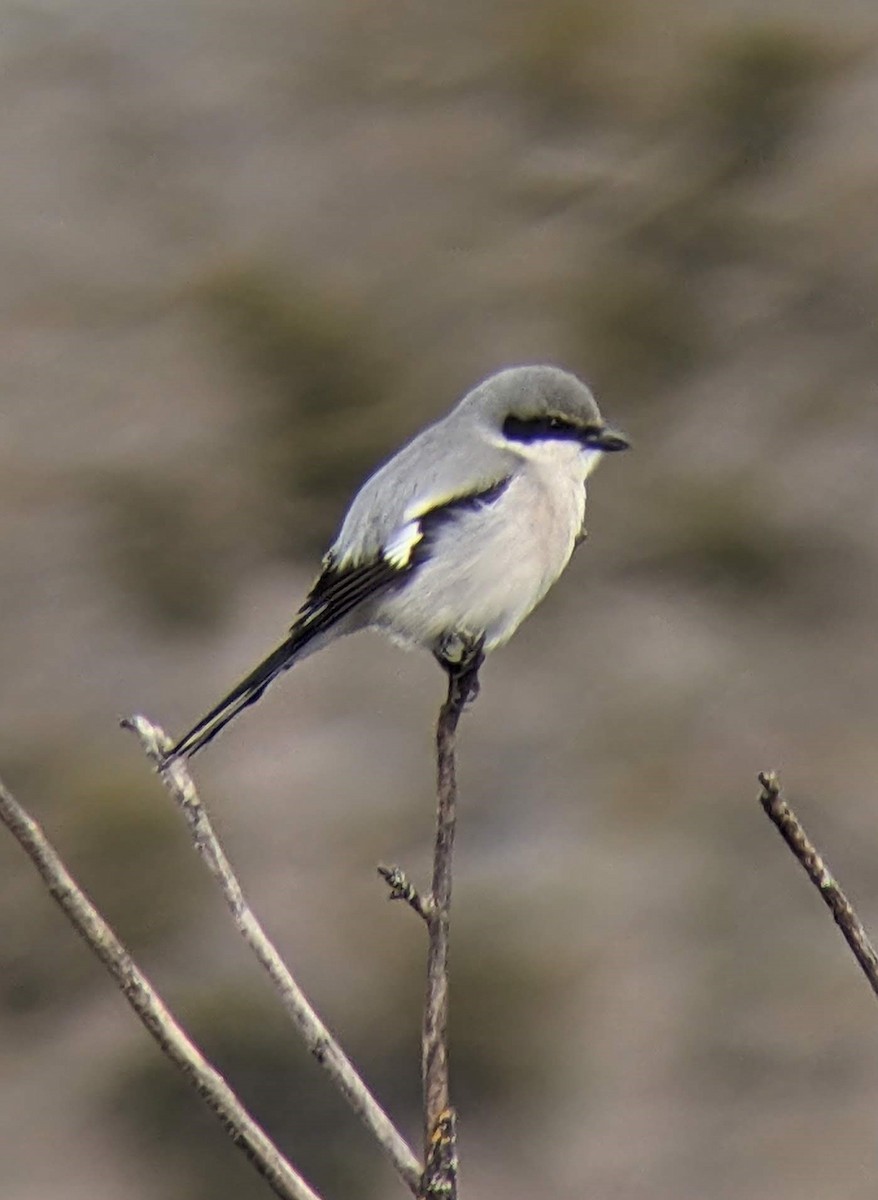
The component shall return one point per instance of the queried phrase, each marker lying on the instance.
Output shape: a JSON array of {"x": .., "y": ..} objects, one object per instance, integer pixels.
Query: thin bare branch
[
  {"x": 440, "y": 1151},
  {"x": 321, "y": 1043},
  {"x": 788, "y": 826},
  {"x": 149, "y": 1007}
]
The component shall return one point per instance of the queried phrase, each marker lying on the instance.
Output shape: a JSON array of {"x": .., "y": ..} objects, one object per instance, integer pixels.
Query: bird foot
[{"x": 461, "y": 657}]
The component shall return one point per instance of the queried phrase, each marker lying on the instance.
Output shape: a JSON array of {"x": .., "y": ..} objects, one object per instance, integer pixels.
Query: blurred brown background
[{"x": 247, "y": 247}]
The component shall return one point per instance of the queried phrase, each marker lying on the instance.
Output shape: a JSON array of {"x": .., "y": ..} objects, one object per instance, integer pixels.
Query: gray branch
[
  {"x": 440, "y": 1146},
  {"x": 149, "y": 1007},
  {"x": 321, "y": 1043},
  {"x": 790, "y": 829},
  {"x": 439, "y": 1181}
]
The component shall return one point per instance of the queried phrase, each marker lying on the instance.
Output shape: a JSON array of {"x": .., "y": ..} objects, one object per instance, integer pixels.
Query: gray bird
[{"x": 457, "y": 537}]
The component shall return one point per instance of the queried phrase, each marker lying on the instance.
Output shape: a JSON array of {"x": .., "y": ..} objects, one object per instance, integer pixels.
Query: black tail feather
[
  {"x": 331, "y": 601},
  {"x": 246, "y": 693}
]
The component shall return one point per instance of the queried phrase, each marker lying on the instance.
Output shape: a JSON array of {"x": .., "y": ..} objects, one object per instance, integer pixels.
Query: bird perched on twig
[{"x": 457, "y": 537}]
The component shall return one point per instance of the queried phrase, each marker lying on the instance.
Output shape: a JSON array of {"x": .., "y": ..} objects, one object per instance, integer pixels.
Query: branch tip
[
  {"x": 153, "y": 739},
  {"x": 811, "y": 861},
  {"x": 770, "y": 783},
  {"x": 401, "y": 888}
]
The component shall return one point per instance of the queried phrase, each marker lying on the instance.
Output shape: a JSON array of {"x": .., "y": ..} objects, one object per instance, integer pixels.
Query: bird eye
[{"x": 555, "y": 423}]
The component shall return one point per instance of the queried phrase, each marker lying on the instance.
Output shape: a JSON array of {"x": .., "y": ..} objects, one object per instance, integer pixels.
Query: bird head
[{"x": 542, "y": 404}]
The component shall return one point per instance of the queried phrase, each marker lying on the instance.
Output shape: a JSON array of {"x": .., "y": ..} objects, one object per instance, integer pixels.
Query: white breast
[{"x": 494, "y": 564}]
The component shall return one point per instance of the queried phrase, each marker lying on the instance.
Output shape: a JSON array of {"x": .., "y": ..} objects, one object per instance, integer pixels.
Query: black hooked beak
[{"x": 606, "y": 439}]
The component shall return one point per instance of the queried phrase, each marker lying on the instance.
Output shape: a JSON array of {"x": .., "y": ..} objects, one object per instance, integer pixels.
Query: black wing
[{"x": 338, "y": 590}]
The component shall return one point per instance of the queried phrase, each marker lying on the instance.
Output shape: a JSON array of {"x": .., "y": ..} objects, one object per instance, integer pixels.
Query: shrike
[{"x": 457, "y": 537}]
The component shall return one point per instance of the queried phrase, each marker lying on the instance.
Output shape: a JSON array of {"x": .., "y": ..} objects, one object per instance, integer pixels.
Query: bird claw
[{"x": 461, "y": 657}]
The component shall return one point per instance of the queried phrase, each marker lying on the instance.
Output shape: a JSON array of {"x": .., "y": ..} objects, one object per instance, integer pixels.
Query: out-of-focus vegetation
[
  {"x": 762, "y": 82},
  {"x": 245, "y": 251},
  {"x": 117, "y": 840},
  {"x": 159, "y": 552},
  {"x": 323, "y": 403}
]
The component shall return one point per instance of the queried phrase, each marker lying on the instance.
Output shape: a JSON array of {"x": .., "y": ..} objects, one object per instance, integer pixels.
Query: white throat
[{"x": 564, "y": 457}]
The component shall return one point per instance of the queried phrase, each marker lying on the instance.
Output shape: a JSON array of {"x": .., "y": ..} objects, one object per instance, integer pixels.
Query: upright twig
[
  {"x": 789, "y": 827},
  {"x": 149, "y": 1007},
  {"x": 317, "y": 1037},
  {"x": 440, "y": 1172}
]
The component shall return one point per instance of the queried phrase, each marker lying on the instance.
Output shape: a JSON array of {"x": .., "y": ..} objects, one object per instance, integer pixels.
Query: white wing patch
[{"x": 398, "y": 551}]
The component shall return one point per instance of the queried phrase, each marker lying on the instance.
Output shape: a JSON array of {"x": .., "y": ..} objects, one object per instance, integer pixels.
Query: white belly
[{"x": 491, "y": 566}]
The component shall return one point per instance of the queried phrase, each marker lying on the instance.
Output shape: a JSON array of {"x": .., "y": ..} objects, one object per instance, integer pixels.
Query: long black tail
[{"x": 246, "y": 693}]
